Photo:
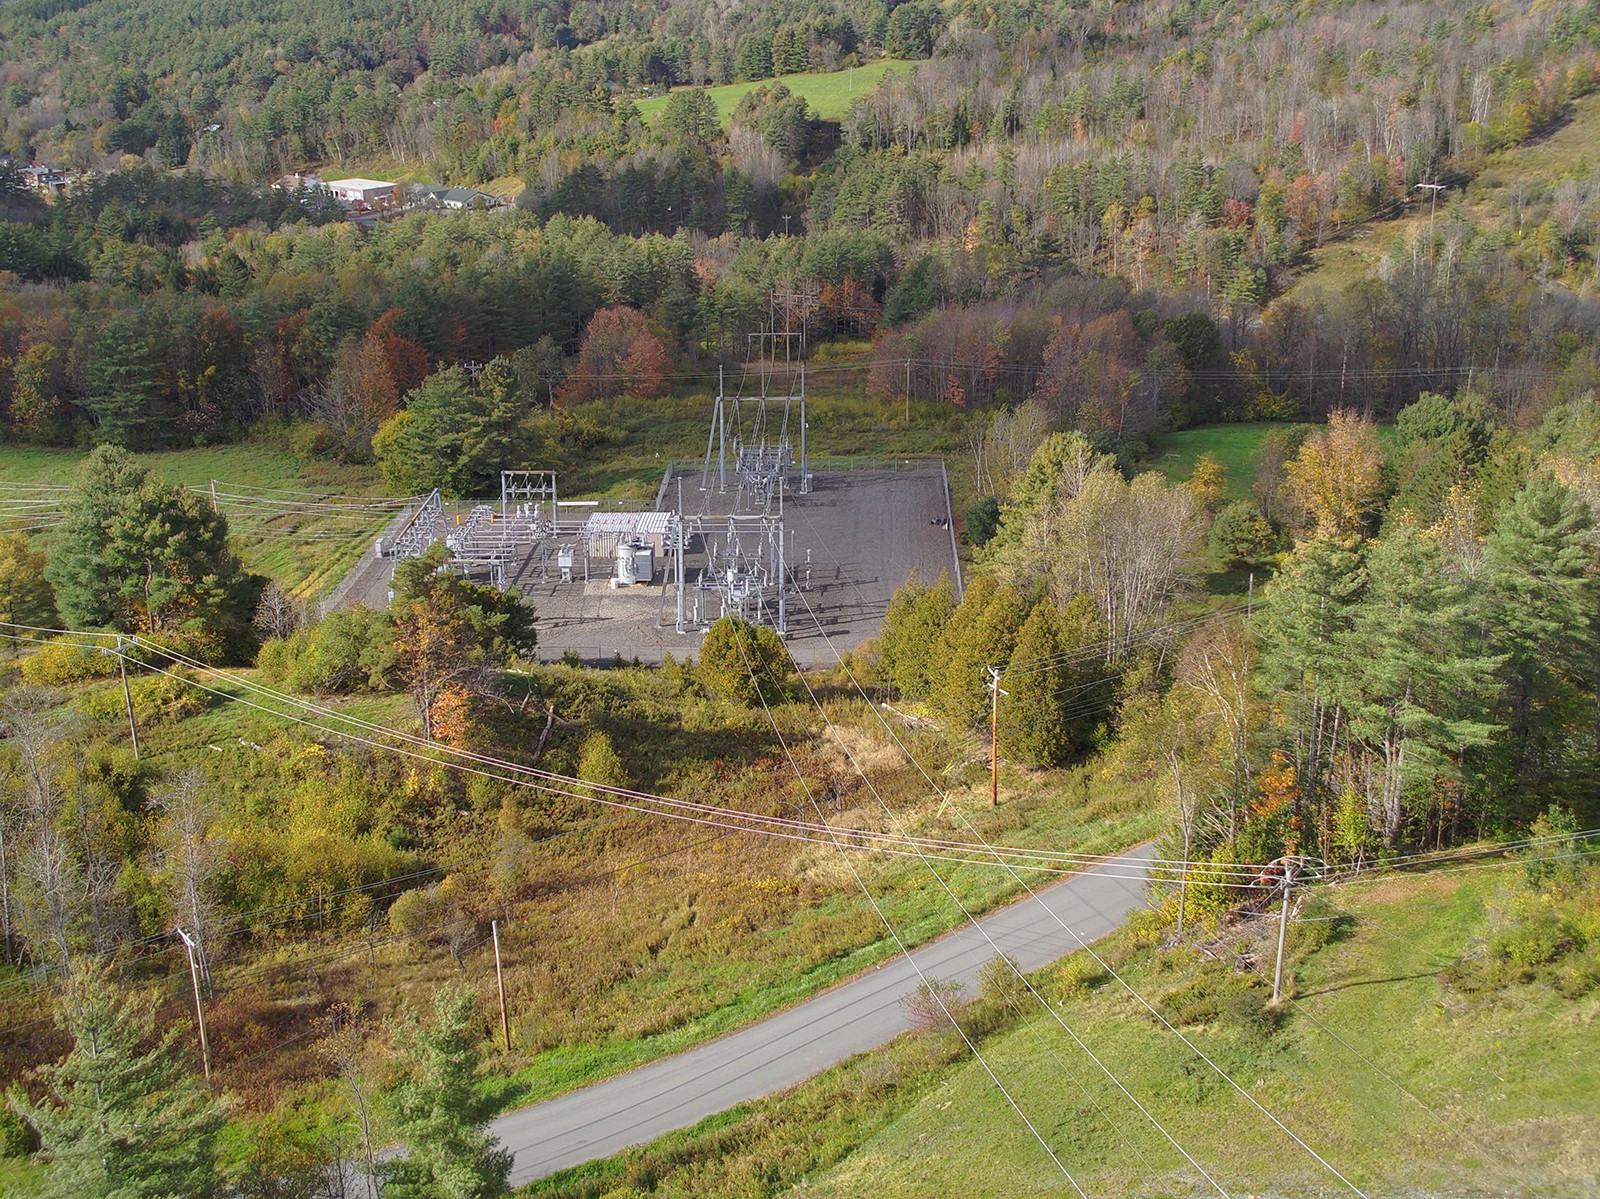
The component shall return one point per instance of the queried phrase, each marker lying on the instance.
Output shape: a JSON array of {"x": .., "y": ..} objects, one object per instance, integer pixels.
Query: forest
[
  {"x": 1350, "y": 248},
  {"x": 1192, "y": 157}
]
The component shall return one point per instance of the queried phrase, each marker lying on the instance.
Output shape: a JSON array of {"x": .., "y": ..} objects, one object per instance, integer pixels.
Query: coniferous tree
[
  {"x": 124, "y": 1116},
  {"x": 137, "y": 554},
  {"x": 970, "y": 646},
  {"x": 437, "y": 1112},
  {"x": 1416, "y": 681},
  {"x": 1306, "y": 614},
  {"x": 1539, "y": 565},
  {"x": 1033, "y": 729},
  {"x": 915, "y": 619}
]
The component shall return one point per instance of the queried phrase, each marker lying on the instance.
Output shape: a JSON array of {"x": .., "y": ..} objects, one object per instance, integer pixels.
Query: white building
[{"x": 363, "y": 191}]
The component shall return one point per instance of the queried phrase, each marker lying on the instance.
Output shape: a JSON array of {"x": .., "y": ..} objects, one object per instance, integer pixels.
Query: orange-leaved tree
[
  {"x": 451, "y": 634},
  {"x": 619, "y": 356}
]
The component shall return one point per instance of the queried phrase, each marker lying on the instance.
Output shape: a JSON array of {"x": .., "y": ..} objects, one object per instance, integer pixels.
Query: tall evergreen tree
[
  {"x": 437, "y": 1111},
  {"x": 1306, "y": 614},
  {"x": 121, "y": 380},
  {"x": 1539, "y": 564},
  {"x": 1415, "y": 680},
  {"x": 1033, "y": 729},
  {"x": 125, "y": 1116},
  {"x": 135, "y": 553},
  {"x": 916, "y": 617},
  {"x": 970, "y": 646}
]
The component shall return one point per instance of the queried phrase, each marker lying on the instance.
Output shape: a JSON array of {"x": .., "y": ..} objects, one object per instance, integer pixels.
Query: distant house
[
  {"x": 294, "y": 183},
  {"x": 47, "y": 179},
  {"x": 371, "y": 192},
  {"x": 428, "y": 195}
]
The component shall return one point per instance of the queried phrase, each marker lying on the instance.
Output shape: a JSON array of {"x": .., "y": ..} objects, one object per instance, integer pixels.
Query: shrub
[
  {"x": 157, "y": 699},
  {"x": 928, "y": 1004},
  {"x": 348, "y": 650},
  {"x": 1240, "y": 535},
  {"x": 63, "y": 662},
  {"x": 1542, "y": 938},
  {"x": 1079, "y": 974},
  {"x": 1213, "y": 993}
]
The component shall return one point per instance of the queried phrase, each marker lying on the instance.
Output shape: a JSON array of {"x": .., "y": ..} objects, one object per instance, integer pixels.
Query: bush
[
  {"x": 1078, "y": 975},
  {"x": 1239, "y": 536},
  {"x": 1542, "y": 938},
  {"x": 157, "y": 700},
  {"x": 348, "y": 650},
  {"x": 927, "y": 1006},
  {"x": 62, "y": 663},
  {"x": 1214, "y": 993}
]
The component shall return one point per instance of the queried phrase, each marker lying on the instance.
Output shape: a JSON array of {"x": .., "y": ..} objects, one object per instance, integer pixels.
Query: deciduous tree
[
  {"x": 1337, "y": 477},
  {"x": 450, "y": 632}
]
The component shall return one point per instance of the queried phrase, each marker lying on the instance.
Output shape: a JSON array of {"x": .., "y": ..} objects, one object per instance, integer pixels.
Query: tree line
[{"x": 1418, "y": 671}]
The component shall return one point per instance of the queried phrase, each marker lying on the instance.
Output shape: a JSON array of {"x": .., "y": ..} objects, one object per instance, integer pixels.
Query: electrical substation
[{"x": 752, "y": 530}]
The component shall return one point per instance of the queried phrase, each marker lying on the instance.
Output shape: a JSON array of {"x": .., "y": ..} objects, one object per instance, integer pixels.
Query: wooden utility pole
[
  {"x": 127, "y": 698},
  {"x": 994, "y": 735},
  {"x": 199, "y": 1012},
  {"x": 908, "y": 393},
  {"x": 500, "y": 982},
  {"x": 1283, "y": 928}
]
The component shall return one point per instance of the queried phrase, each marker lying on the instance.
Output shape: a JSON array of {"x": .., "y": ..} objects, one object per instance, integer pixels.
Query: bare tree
[
  {"x": 189, "y": 851},
  {"x": 279, "y": 613},
  {"x": 50, "y": 902},
  {"x": 343, "y": 1048}
]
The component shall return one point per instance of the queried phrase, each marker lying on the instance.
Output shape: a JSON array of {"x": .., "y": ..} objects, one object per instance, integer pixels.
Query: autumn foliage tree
[
  {"x": 1337, "y": 477},
  {"x": 452, "y": 635},
  {"x": 619, "y": 355}
]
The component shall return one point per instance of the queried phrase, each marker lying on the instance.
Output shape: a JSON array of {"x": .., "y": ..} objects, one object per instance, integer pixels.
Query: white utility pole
[{"x": 199, "y": 1011}]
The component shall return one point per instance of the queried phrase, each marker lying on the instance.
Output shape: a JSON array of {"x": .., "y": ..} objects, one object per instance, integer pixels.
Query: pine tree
[
  {"x": 1415, "y": 681},
  {"x": 121, "y": 1121},
  {"x": 1539, "y": 565},
  {"x": 437, "y": 1112},
  {"x": 1305, "y": 615},
  {"x": 138, "y": 554}
]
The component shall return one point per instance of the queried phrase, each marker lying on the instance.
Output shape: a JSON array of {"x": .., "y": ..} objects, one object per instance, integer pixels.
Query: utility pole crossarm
[{"x": 995, "y": 692}]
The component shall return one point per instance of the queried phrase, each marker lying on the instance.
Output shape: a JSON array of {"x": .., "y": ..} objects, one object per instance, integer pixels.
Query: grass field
[
  {"x": 1391, "y": 1079},
  {"x": 1237, "y": 447},
  {"x": 830, "y": 93}
]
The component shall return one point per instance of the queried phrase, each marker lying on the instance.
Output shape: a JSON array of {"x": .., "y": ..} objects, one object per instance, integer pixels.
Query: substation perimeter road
[{"x": 804, "y": 1040}]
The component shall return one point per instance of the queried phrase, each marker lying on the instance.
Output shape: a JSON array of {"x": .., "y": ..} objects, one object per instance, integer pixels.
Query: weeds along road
[{"x": 806, "y": 1039}]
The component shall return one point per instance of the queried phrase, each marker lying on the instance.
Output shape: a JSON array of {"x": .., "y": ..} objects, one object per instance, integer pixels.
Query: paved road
[{"x": 804, "y": 1040}]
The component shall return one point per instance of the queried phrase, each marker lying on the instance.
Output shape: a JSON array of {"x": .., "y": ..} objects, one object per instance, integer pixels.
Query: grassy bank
[{"x": 1378, "y": 1064}]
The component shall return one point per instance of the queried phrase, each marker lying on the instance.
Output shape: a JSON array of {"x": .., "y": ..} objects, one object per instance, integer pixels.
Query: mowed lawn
[
  {"x": 1395, "y": 1081},
  {"x": 1237, "y": 447},
  {"x": 830, "y": 94}
]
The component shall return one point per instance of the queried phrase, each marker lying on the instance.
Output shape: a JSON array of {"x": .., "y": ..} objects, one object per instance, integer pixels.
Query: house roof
[{"x": 357, "y": 184}]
